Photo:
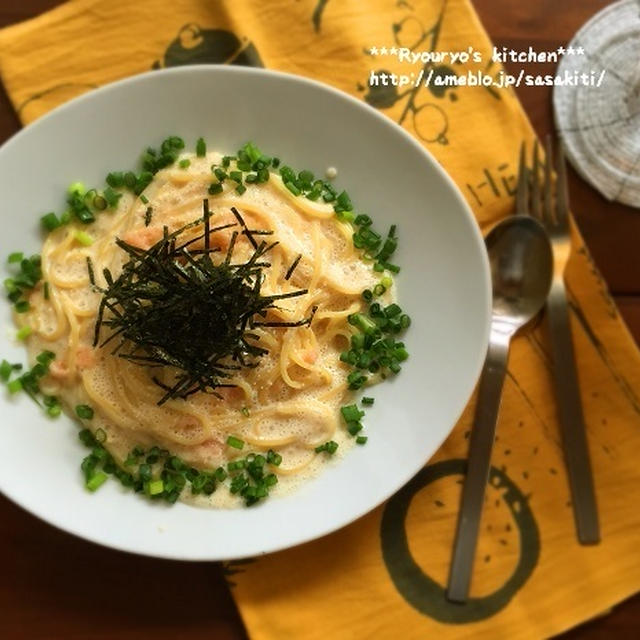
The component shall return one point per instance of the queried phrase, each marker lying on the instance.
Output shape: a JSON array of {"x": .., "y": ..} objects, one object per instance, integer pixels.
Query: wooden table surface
[{"x": 53, "y": 585}]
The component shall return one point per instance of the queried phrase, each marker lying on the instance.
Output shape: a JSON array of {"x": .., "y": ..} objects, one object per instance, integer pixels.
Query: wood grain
[{"x": 53, "y": 585}]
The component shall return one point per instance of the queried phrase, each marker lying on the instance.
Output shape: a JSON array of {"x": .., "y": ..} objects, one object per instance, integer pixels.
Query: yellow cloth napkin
[{"x": 383, "y": 576}]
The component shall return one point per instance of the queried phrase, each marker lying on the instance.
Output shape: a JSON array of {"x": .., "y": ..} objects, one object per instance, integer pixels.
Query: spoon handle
[{"x": 482, "y": 436}]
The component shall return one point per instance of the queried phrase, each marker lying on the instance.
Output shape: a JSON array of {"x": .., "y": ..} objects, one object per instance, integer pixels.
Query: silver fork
[{"x": 556, "y": 221}]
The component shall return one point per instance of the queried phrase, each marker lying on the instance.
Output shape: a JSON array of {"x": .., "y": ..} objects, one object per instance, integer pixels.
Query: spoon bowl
[{"x": 521, "y": 264}]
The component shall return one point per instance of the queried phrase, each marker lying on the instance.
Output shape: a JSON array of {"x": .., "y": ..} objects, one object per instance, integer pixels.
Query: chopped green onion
[
  {"x": 22, "y": 306},
  {"x": 240, "y": 189},
  {"x": 54, "y": 410},
  {"x": 345, "y": 216},
  {"x": 215, "y": 188},
  {"x": 96, "y": 481},
  {"x": 367, "y": 401},
  {"x": 100, "y": 203},
  {"x": 386, "y": 282},
  {"x": 144, "y": 199},
  {"x": 112, "y": 198},
  {"x": 357, "y": 341},
  {"x": 220, "y": 474},
  {"x": 100, "y": 436},
  {"x": 50, "y": 401},
  {"x": 115, "y": 179},
  {"x": 271, "y": 479},
  {"x": 24, "y": 332},
  {"x": 367, "y": 295},
  {"x": 50, "y": 221},
  {"x": 76, "y": 188},
  {"x": 361, "y": 440},
  {"x": 83, "y": 238},
  {"x": 142, "y": 182},
  {"x": 84, "y": 411},
  {"x": 86, "y": 437},
  {"x": 14, "y": 385},
  {"x": 306, "y": 178},
  {"x": 351, "y": 413},
  {"x": 405, "y": 321},
  {"x": 184, "y": 163},
  {"x": 354, "y": 427},
  {"x": 5, "y": 370},
  {"x": 144, "y": 471},
  {"x": 221, "y": 174},
  {"x": 45, "y": 291},
  {"x": 392, "y": 310},
  {"x": 236, "y": 176},
  {"x": 343, "y": 202},
  {"x": 356, "y": 380},
  {"x": 16, "y": 256},
  {"x": 394, "y": 268},
  {"x": 363, "y": 220},
  {"x": 365, "y": 324},
  {"x": 201, "y": 148},
  {"x": 234, "y": 442},
  {"x": 292, "y": 187},
  {"x": 130, "y": 179},
  {"x": 154, "y": 487},
  {"x": 329, "y": 447},
  {"x": 379, "y": 289}
]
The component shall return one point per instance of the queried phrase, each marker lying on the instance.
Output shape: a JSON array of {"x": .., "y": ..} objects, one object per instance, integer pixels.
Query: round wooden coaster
[{"x": 597, "y": 108}]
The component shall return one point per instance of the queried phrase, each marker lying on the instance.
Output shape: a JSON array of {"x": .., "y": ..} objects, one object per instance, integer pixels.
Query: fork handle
[
  {"x": 480, "y": 446},
  {"x": 574, "y": 436}
]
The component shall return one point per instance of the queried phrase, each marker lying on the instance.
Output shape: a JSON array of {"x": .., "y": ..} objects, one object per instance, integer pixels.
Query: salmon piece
[
  {"x": 208, "y": 454},
  {"x": 310, "y": 355},
  {"x": 143, "y": 238},
  {"x": 85, "y": 357}
]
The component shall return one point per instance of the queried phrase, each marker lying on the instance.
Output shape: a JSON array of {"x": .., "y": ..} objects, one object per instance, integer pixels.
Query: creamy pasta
[{"x": 290, "y": 402}]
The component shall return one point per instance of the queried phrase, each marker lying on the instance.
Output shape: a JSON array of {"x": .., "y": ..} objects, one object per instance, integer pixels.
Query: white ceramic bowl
[{"x": 444, "y": 286}]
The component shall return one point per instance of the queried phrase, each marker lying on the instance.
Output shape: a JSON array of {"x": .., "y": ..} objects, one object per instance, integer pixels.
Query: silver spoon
[{"x": 521, "y": 269}]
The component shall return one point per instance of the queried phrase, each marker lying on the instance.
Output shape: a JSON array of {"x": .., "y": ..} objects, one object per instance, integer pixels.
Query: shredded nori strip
[
  {"x": 92, "y": 277},
  {"x": 172, "y": 306},
  {"x": 293, "y": 266},
  {"x": 148, "y": 214},
  {"x": 247, "y": 232}
]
